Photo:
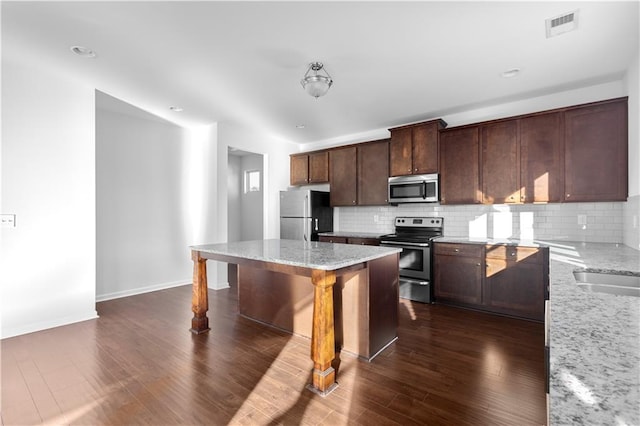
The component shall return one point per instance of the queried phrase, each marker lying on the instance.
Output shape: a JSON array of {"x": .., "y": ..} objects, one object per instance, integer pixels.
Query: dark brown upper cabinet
[
  {"x": 541, "y": 158},
  {"x": 459, "y": 166},
  {"x": 414, "y": 149},
  {"x": 319, "y": 167},
  {"x": 596, "y": 152},
  {"x": 500, "y": 163},
  {"x": 359, "y": 174},
  {"x": 343, "y": 176},
  {"x": 373, "y": 173},
  {"x": 309, "y": 168},
  {"x": 299, "y": 169}
]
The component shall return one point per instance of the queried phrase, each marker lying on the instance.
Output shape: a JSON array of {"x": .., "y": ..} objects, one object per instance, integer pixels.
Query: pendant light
[{"x": 317, "y": 80}]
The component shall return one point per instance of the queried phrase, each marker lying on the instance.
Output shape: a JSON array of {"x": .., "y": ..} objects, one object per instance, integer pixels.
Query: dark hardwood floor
[{"x": 138, "y": 364}]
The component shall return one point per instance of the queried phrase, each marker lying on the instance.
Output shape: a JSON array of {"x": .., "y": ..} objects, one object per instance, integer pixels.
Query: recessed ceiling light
[
  {"x": 511, "y": 73},
  {"x": 175, "y": 108},
  {"x": 299, "y": 126},
  {"x": 85, "y": 52}
]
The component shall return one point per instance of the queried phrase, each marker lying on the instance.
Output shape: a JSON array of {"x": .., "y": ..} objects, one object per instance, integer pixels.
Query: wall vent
[{"x": 562, "y": 23}]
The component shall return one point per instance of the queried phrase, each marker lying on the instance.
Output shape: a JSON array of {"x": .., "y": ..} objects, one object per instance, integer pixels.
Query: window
[{"x": 251, "y": 181}]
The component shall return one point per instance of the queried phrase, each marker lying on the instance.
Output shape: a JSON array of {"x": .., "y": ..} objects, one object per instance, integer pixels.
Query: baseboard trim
[
  {"x": 45, "y": 325},
  {"x": 140, "y": 290},
  {"x": 149, "y": 289}
]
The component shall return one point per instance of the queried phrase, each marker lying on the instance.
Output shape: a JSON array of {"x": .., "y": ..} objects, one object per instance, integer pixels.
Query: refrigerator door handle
[{"x": 316, "y": 223}]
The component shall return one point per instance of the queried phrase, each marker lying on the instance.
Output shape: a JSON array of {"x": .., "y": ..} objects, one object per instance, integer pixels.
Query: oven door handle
[{"x": 397, "y": 243}]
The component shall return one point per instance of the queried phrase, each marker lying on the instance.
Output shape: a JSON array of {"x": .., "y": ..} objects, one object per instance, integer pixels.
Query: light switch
[{"x": 8, "y": 220}]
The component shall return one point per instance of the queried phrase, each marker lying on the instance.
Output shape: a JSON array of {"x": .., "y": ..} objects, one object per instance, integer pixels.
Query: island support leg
[
  {"x": 199, "y": 295},
  {"x": 322, "y": 335}
]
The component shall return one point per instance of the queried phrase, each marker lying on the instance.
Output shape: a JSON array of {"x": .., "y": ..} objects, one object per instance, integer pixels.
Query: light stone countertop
[
  {"x": 594, "y": 338},
  {"x": 496, "y": 241},
  {"x": 351, "y": 234},
  {"x": 306, "y": 254}
]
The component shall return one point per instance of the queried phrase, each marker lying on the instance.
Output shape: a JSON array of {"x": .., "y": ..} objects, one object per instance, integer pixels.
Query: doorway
[{"x": 245, "y": 200}]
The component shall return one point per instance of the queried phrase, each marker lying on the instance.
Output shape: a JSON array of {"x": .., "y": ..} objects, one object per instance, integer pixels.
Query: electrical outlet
[
  {"x": 8, "y": 220},
  {"x": 582, "y": 219}
]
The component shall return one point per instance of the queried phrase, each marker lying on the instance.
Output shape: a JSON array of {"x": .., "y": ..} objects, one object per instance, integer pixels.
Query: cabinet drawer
[
  {"x": 364, "y": 241},
  {"x": 339, "y": 240},
  {"x": 515, "y": 253},
  {"x": 452, "y": 249}
]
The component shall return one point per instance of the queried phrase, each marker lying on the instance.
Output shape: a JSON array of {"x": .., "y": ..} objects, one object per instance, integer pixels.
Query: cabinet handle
[
  {"x": 513, "y": 253},
  {"x": 477, "y": 264},
  {"x": 568, "y": 195},
  {"x": 456, "y": 250}
]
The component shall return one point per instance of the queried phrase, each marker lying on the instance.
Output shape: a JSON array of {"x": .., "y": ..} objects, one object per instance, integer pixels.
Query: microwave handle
[{"x": 424, "y": 190}]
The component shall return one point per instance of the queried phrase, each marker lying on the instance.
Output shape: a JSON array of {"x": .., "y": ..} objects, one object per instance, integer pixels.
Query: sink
[{"x": 622, "y": 285}]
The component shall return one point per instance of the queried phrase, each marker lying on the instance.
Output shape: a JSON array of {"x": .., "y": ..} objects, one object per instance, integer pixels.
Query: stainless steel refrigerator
[{"x": 304, "y": 214}]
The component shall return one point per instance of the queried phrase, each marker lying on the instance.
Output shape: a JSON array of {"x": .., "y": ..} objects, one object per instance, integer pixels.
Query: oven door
[{"x": 415, "y": 259}]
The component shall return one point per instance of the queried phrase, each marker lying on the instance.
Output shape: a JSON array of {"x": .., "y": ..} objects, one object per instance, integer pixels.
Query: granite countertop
[
  {"x": 351, "y": 234},
  {"x": 594, "y": 339},
  {"x": 306, "y": 254},
  {"x": 493, "y": 241}
]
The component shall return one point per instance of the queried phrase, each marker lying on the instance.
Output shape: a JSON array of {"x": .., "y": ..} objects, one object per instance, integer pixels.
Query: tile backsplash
[{"x": 591, "y": 222}]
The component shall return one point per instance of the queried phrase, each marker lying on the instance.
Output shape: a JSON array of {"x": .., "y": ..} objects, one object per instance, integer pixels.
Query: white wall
[
  {"x": 252, "y": 208},
  {"x": 234, "y": 184},
  {"x": 47, "y": 263},
  {"x": 152, "y": 199}
]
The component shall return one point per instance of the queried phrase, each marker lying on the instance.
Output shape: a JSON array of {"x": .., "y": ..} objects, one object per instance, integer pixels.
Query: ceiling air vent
[{"x": 562, "y": 24}]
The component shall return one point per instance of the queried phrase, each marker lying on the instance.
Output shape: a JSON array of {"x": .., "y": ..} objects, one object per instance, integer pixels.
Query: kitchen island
[{"x": 318, "y": 266}]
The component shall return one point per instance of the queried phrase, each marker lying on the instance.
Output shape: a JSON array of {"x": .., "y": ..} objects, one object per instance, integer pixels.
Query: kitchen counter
[
  {"x": 594, "y": 338},
  {"x": 492, "y": 241},
  {"x": 350, "y": 234},
  {"x": 304, "y": 254},
  {"x": 285, "y": 282}
]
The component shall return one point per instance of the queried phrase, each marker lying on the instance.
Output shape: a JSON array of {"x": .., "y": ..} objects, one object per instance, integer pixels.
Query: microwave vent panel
[{"x": 562, "y": 24}]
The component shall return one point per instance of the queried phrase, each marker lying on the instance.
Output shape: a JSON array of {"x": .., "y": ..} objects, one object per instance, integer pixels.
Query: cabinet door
[
  {"x": 458, "y": 279},
  {"x": 373, "y": 173},
  {"x": 425, "y": 148},
  {"x": 299, "y": 169},
  {"x": 459, "y": 168},
  {"x": 596, "y": 152},
  {"x": 500, "y": 165},
  {"x": 319, "y": 167},
  {"x": 541, "y": 154},
  {"x": 514, "y": 288},
  {"x": 400, "y": 152},
  {"x": 342, "y": 176}
]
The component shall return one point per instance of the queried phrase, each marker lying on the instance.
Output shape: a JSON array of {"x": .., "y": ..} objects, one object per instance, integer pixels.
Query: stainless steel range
[{"x": 414, "y": 235}]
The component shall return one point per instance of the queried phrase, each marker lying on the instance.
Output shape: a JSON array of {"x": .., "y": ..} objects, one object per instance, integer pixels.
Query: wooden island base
[{"x": 302, "y": 300}]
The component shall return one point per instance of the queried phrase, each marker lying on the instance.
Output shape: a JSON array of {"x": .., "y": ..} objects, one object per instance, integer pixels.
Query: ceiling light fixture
[
  {"x": 316, "y": 84},
  {"x": 175, "y": 109},
  {"x": 85, "y": 52}
]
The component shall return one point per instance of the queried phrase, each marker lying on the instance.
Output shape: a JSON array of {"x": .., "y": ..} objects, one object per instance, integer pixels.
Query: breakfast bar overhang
[{"x": 320, "y": 265}]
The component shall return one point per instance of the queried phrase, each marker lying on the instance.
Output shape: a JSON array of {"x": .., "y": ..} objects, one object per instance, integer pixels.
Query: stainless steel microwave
[{"x": 414, "y": 189}]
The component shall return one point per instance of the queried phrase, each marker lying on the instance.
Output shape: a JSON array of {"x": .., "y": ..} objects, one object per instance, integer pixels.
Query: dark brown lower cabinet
[
  {"x": 458, "y": 273},
  {"x": 350, "y": 240},
  {"x": 502, "y": 279}
]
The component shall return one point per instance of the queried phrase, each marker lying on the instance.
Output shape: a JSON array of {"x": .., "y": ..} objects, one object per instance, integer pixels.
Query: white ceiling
[{"x": 392, "y": 62}]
